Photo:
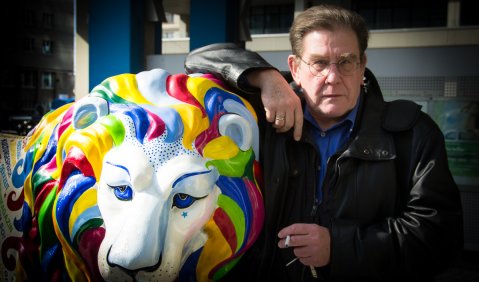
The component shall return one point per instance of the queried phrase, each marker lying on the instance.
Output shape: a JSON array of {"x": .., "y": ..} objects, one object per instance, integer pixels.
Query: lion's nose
[
  {"x": 139, "y": 242},
  {"x": 132, "y": 270}
]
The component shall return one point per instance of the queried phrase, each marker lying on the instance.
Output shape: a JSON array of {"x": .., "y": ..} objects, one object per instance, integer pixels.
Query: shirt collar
[{"x": 351, "y": 117}]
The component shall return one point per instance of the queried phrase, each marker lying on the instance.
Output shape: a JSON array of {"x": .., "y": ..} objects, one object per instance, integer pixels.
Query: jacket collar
[{"x": 369, "y": 141}]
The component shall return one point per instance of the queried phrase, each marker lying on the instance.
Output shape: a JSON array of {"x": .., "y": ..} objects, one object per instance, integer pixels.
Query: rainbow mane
[{"x": 55, "y": 183}]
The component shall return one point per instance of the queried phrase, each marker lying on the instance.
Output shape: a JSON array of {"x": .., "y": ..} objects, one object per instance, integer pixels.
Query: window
[
  {"x": 256, "y": 20},
  {"x": 168, "y": 34},
  {"x": 170, "y": 18},
  {"x": 7, "y": 79},
  {"x": 47, "y": 19},
  {"x": 387, "y": 14},
  {"x": 47, "y": 47},
  {"x": 271, "y": 19},
  {"x": 48, "y": 80},
  {"x": 28, "y": 17},
  {"x": 28, "y": 44},
  {"x": 469, "y": 12},
  {"x": 27, "y": 79}
]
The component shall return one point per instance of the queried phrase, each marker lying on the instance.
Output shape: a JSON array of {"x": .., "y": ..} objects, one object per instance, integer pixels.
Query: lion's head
[{"x": 151, "y": 177}]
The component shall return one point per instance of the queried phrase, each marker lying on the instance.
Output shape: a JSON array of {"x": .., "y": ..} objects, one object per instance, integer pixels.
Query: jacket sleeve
[
  {"x": 427, "y": 232},
  {"x": 226, "y": 61}
]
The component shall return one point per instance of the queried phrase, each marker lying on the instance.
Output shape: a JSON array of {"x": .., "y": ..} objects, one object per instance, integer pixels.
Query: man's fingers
[
  {"x": 279, "y": 124},
  {"x": 287, "y": 124},
  {"x": 270, "y": 115},
  {"x": 294, "y": 241},
  {"x": 298, "y": 124},
  {"x": 292, "y": 120},
  {"x": 286, "y": 115}
]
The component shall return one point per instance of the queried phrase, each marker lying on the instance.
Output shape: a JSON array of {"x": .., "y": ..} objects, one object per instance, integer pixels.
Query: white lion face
[
  {"x": 153, "y": 214},
  {"x": 158, "y": 170}
]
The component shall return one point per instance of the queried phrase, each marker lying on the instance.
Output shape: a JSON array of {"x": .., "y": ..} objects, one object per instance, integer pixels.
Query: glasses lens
[
  {"x": 322, "y": 68},
  {"x": 316, "y": 69},
  {"x": 346, "y": 67}
]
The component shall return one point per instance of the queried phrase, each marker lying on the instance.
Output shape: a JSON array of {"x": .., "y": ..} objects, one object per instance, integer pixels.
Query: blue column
[
  {"x": 115, "y": 38},
  {"x": 213, "y": 21}
]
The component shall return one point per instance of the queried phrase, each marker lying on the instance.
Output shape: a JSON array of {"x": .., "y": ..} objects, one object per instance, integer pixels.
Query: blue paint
[
  {"x": 115, "y": 38},
  {"x": 213, "y": 21}
]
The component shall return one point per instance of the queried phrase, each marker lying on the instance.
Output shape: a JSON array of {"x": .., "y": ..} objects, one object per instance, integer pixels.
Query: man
[{"x": 362, "y": 190}]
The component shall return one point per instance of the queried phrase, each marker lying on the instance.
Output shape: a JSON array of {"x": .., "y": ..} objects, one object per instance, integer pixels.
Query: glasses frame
[{"x": 328, "y": 68}]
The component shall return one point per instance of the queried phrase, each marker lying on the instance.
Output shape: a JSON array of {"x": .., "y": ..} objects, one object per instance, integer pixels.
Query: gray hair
[{"x": 327, "y": 17}]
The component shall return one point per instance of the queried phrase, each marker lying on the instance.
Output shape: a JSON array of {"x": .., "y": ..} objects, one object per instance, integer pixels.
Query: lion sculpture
[{"x": 151, "y": 177}]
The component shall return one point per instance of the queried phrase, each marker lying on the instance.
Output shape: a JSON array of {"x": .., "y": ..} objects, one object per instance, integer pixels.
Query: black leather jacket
[{"x": 390, "y": 202}]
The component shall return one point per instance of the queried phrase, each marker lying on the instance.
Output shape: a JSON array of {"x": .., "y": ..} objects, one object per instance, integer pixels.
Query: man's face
[{"x": 333, "y": 95}]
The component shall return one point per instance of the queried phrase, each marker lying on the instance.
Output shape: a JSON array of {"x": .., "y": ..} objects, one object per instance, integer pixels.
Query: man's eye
[
  {"x": 122, "y": 192},
  {"x": 321, "y": 64},
  {"x": 345, "y": 62}
]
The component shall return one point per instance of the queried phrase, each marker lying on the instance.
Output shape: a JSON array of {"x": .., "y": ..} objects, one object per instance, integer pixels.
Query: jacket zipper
[
  {"x": 331, "y": 179},
  {"x": 314, "y": 210},
  {"x": 311, "y": 270}
]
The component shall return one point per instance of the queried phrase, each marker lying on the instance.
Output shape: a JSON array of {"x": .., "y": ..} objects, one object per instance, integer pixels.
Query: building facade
[{"x": 37, "y": 63}]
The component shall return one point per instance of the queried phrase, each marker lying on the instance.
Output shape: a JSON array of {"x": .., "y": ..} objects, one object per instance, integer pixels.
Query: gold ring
[{"x": 279, "y": 118}]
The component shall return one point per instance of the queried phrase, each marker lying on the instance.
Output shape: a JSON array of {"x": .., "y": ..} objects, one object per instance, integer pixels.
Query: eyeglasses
[{"x": 346, "y": 65}]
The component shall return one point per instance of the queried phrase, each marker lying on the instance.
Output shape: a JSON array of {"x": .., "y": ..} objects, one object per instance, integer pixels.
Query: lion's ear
[
  {"x": 238, "y": 129},
  {"x": 88, "y": 110}
]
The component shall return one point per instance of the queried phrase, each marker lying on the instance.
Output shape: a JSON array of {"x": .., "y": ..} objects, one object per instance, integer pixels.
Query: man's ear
[
  {"x": 363, "y": 63},
  {"x": 365, "y": 59},
  {"x": 294, "y": 69}
]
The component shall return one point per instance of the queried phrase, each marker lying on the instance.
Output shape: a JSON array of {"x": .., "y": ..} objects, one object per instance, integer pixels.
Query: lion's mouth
[{"x": 132, "y": 272}]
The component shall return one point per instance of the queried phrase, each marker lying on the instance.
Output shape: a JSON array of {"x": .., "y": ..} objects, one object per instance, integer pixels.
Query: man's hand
[
  {"x": 282, "y": 105},
  {"x": 311, "y": 243}
]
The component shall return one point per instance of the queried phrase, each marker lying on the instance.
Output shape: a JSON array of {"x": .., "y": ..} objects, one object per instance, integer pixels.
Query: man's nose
[
  {"x": 330, "y": 67},
  {"x": 333, "y": 73}
]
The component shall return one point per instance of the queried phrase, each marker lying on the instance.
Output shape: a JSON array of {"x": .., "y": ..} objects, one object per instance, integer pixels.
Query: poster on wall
[{"x": 459, "y": 121}]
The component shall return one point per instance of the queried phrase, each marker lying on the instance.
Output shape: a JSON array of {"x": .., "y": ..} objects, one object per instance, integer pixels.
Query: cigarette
[
  {"x": 286, "y": 242},
  {"x": 295, "y": 259},
  {"x": 313, "y": 271}
]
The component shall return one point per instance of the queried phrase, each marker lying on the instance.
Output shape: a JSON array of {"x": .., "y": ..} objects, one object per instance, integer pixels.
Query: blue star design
[{"x": 184, "y": 214}]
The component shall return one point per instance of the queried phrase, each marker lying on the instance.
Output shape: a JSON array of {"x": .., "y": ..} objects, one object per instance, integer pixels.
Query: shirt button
[{"x": 323, "y": 133}]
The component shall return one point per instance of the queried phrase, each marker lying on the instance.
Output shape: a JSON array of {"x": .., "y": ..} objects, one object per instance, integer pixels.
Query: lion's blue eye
[
  {"x": 182, "y": 201},
  {"x": 122, "y": 192}
]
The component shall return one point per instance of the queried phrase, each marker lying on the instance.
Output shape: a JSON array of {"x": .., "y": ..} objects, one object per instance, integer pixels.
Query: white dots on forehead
[
  {"x": 156, "y": 150},
  {"x": 159, "y": 152}
]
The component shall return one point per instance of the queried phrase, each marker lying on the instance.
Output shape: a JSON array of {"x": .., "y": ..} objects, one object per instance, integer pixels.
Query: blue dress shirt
[{"x": 330, "y": 141}]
